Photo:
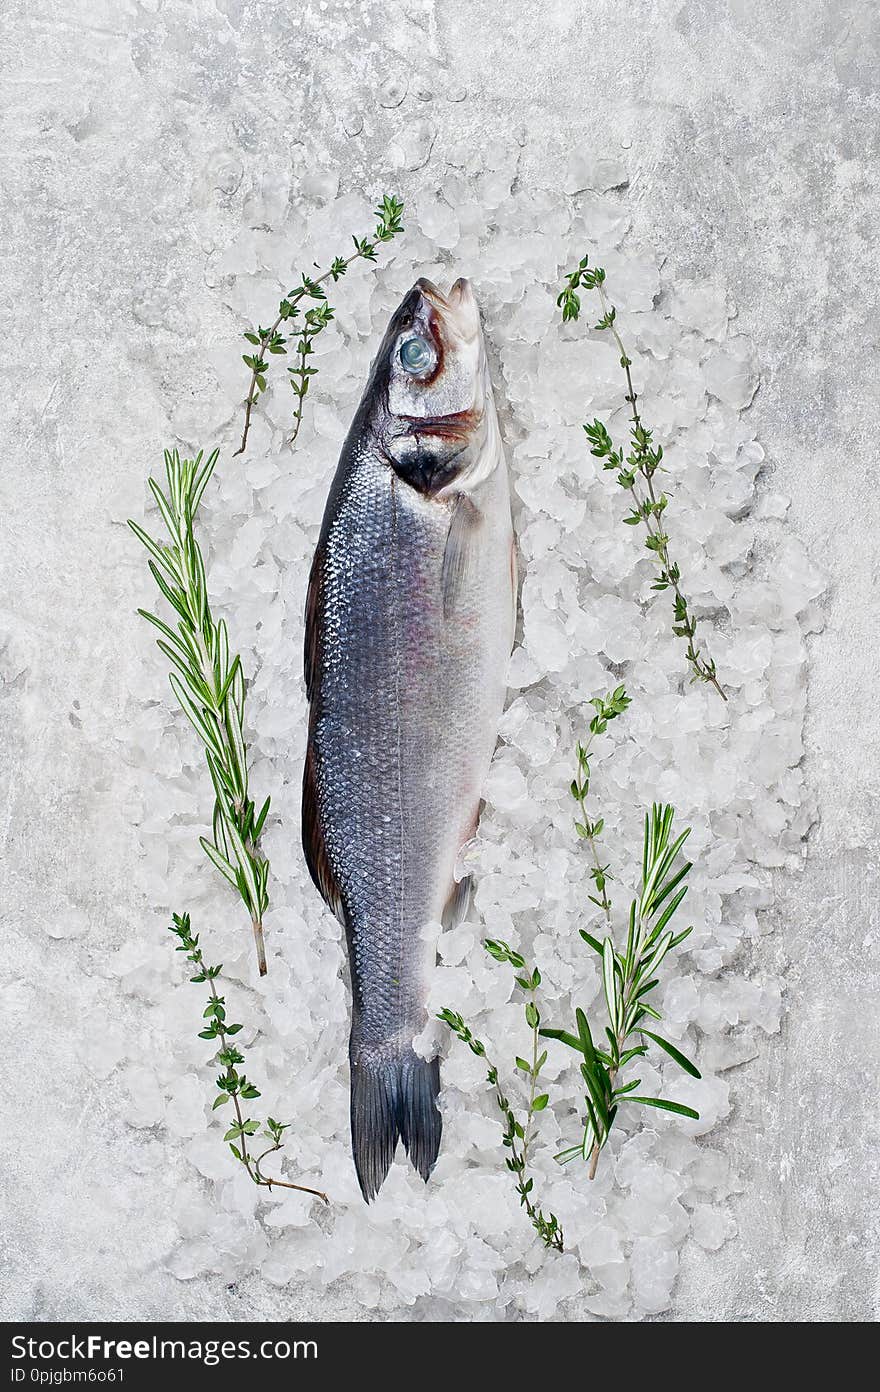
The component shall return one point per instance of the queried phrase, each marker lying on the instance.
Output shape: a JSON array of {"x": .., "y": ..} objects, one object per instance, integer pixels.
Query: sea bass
[{"x": 409, "y": 624}]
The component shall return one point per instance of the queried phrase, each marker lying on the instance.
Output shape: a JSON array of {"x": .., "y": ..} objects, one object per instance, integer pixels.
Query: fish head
[{"x": 432, "y": 380}]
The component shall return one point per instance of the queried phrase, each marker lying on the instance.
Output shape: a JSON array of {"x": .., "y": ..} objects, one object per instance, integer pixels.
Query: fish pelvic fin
[
  {"x": 456, "y": 907},
  {"x": 392, "y": 1098}
]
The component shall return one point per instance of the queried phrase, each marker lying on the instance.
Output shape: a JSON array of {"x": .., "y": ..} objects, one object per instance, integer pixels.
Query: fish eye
[{"x": 416, "y": 354}]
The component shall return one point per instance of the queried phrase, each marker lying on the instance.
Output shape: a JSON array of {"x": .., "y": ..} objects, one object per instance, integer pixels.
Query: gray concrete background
[{"x": 752, "y": 128}]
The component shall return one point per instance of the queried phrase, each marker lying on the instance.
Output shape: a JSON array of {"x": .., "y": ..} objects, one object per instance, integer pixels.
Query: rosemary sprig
[
  {"x": 628, "y": 978},
  {"x": 517, "y": 1137},
  {"x": 233, "y": 1086},
  {"x": 272, "y": 342},
  {"x": 208, "y": 684},
  {"x": 635, "y": 473}
]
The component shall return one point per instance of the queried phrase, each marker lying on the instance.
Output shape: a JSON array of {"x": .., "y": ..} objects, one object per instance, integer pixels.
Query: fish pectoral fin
[
  {"x": 314, "y": 847},
  {"x": 458, "y": 903},
  {"x": 461, "y": 540}
]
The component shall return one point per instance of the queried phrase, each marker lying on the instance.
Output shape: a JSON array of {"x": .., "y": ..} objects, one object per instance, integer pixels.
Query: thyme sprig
[
  {"x": 635, "y": 471},
  {"x": 302, "y": 326},
  {"x": 607, "y": 708},
  {"x": 517, "y": 1135},
  {"x": 628, "y": 978},
  {"x": 208, "y": 683},
  {"x": 232, "y": 1085}
]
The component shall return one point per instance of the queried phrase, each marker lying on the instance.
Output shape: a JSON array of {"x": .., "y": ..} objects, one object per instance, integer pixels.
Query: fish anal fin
[
  {"x": 462, "y": 537},
  {"x": 458, "y": 903},
  {"x": 314, "y": 847}
]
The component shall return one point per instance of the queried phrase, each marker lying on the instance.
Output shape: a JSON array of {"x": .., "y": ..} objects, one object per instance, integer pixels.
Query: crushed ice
[{"x": 460, "y": 1247}]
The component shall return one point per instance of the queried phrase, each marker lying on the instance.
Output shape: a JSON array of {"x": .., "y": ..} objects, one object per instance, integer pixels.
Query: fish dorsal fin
[
  {"x": 461, "y": 539},
  {"x": 313, "y": 842},
  {"x": 314, "y": 846},
  {"x": 458, "y": 903},
  {"x": 311, "y": 650}
]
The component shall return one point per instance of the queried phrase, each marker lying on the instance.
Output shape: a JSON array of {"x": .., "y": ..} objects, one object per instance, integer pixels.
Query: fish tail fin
[{"x": 392, "y": 1098}]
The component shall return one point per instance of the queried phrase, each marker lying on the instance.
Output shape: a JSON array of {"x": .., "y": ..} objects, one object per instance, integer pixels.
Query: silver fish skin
[{"x": 409, "y": 624}]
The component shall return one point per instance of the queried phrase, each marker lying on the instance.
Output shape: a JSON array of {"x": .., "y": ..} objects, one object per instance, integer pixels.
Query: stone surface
[{"x": 133, "y": 137}]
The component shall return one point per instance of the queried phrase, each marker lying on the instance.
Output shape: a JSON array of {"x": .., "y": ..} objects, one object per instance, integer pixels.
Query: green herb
[
  {"x": 636, "y": 471},
  {"x": 607, "y": 708},
  {"x": 208, "y": 683},
  {"x": 303, "y": 326},
  {"x": 232, "y": 1086},
  {"x": 628, "y": 977},
  {"x": 518, "y": 1135}
]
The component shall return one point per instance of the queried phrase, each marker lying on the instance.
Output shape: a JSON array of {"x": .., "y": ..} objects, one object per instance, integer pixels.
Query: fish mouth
[{"x": 458, "y": 311}]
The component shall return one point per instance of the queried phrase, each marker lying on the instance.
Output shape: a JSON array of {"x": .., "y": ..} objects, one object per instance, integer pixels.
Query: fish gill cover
[{"x": 459, "y": 1247}]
